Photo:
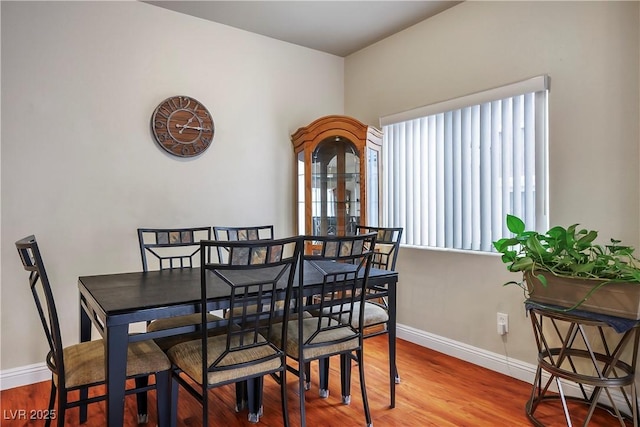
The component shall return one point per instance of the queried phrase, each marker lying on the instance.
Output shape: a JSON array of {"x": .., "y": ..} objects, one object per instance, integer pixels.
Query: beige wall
[
  {"x": 590, "y": 50},
  {"x": 80, "y": 168}
]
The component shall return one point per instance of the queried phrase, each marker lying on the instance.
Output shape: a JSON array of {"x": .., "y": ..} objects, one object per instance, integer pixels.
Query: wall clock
[{"x": 182, "y": 126}]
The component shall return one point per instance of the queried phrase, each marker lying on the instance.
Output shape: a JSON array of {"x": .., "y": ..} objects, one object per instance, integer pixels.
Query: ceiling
[{"x": 336, "y": 27}]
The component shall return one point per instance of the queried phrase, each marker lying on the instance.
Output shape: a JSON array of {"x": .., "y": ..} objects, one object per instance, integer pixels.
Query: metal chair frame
[
  {"x": 339, "y": 291},
  {"x": 255, "y": 272},
  {"x": 45, "y": 304}
]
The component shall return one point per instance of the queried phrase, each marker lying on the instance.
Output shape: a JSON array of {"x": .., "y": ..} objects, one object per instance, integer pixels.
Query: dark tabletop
[{"x": 153, "y": 289}]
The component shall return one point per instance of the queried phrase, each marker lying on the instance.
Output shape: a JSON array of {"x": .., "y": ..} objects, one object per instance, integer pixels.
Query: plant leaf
[
  {"x": 583, "y": 268},
  {"x": 504, "y": 244},
  {"x": 587, "y": 238},
  {"x": 542, "y": 279},
  {"x": 522, "y": 264},
  {"x": 515, "y": 224}
]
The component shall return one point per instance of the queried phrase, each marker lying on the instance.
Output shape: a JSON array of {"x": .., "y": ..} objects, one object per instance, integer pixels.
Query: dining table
[{"x": 114, "y": 302}]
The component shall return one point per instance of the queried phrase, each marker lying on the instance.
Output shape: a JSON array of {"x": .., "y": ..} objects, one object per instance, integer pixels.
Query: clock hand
[
  {"x": 192, "y": 127},
  {"x": 185, "y": 125}
]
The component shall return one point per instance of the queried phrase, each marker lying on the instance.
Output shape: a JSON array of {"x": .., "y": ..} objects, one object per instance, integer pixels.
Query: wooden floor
[{"x": 436, "y": 390}]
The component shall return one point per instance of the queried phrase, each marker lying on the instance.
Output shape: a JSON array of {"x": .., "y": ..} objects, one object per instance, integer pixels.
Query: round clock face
[{"x": 182, "y": 126}]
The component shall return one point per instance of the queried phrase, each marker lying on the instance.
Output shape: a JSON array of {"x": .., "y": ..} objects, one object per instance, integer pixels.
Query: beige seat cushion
[
  {"x": 178, "y": 321},
  {"x": 84, "y": 362},
  {"x": 310, "y": 325},
  {"x": 373, "y": 314},
  {"x": 188, "y": 357}
]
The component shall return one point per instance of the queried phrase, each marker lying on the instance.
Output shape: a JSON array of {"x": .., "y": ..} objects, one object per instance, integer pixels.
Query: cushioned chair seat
[
  {"x": 310, "y": 326},
  {"x": 84, "y": 362},
  {"x": 165, "y": 343},
  {"x": 373, "y": 314},
  {"x": 188, "y": 357}
]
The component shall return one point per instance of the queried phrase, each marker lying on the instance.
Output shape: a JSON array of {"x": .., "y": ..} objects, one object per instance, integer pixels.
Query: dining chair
[
  {"x": 343, "y": 264},
  {"x": 166, "y": 249},
  {"x": 232, "y": 234},
  {"x": 256, "y": 274},
  {"x": 376, "y": 309},
  {"x": 385, "y": 255},
  {"x": 81, "y": 366}
]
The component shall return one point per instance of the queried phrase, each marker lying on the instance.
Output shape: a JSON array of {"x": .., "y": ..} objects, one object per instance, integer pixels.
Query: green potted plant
[{"x": 565, "y": 267}]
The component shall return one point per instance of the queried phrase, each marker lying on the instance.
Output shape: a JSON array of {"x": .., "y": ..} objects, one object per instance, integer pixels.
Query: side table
[{"x": 588, "y": 350}]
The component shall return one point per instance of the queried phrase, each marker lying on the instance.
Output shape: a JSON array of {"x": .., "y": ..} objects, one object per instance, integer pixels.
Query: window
[{"x": 453, "y": 170}]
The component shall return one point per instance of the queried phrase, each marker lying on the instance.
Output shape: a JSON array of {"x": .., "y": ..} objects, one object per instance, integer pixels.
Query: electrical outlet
[{"x": 503, "y": 323}]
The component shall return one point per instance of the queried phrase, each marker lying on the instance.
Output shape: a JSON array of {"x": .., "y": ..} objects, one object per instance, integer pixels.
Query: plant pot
[{"x": 614, "y": 299}]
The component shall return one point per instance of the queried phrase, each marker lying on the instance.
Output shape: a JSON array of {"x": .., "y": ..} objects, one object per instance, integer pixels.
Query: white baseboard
[
  {"x": 493, "y": 361},
  {"x": 24, "y": 375}
]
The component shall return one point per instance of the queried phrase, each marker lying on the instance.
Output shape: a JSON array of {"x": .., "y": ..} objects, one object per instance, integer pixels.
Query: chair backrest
[
  {"x": 169, "y": 248},
  {"x": 387, "y": 245},
  {"x": 45, "y": 304},
  {"x": 258, "y": 232},
  {"x": 234, "y": 234},
  {"x": 258, "y": 273},
  {"x": 343, "y": 263}
]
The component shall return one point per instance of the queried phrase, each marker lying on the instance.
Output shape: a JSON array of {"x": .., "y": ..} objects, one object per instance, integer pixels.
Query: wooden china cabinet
[{"x": 338, "y": 175}]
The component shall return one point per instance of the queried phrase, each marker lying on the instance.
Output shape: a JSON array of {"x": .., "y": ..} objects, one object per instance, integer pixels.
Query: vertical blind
[{"x": 453, "y": 170}]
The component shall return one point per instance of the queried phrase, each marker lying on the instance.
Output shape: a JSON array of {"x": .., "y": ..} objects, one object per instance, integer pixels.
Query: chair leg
[
  {"x": 141, "y": 400},
  {"x": 302, "y": 387},
  {"x": 323, "y": 367},
  {"x": 307, "y": 376},
  {"x": 283, "y": 395},
  {"x": 397, "y": 374},
  {"x": 174, "y": 400},
  {"x": 363, "y": 387},
  {"x": 163, "y": 398},
  {"x": 345, "y": 378},
  {"x": 52, "y": 402},
  {"x": 84, "y": 395},
  {"x": 205, "y": 403},
  {"x": 254, "y": 389},
  {"x": 62, "y": 406},
  {"x": 241, "y": 395}
]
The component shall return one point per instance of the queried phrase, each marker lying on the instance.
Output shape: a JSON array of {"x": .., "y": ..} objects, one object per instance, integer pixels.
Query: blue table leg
[
  {"x": 116, "y": 342},
  {"x": 393, "y": 371}
]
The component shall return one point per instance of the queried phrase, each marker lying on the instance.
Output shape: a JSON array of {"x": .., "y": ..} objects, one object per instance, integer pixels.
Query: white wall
[
  {"x": 80, "y": 169},
  {"x": 590, "y": 50}
]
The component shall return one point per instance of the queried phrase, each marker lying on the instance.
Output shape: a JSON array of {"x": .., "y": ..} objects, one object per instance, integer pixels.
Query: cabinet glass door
[{"x": 335, "y": 187}]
